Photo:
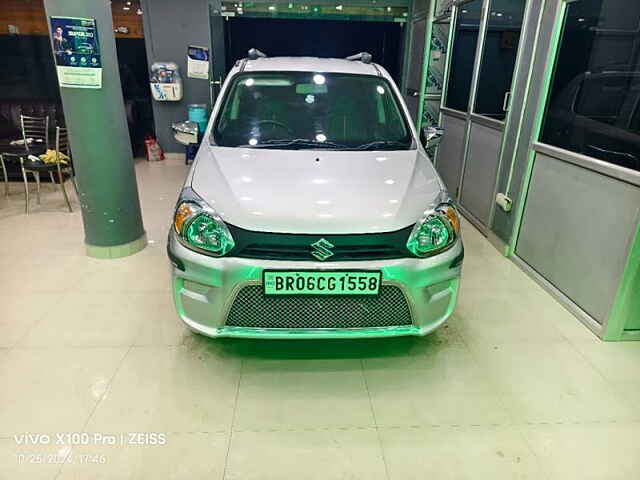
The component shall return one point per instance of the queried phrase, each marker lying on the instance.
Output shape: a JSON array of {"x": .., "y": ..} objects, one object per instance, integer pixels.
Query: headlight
[
  {"x": 199, "y": 228},
  {"x": 435, "y": 232}
]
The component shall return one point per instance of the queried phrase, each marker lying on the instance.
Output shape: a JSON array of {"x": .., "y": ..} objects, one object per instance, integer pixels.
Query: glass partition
[
  {"x": 594, "y": 102},
  {"x": 499, "y": 58},
  {"x": 435, "y": 73},
  {"x": 463, "y": 55}
]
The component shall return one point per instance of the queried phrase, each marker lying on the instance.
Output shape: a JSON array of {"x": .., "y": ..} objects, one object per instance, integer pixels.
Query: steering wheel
[{"x": 277, "y": 124}]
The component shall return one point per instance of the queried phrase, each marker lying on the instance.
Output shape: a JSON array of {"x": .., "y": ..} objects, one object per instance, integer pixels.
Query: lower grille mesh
[{"x": 252, "y": 309}]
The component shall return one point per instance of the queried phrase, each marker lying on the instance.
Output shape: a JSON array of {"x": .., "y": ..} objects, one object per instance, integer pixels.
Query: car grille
[
  {"x": 297, "y": 247},
  {"x": 252, "y": 309}
]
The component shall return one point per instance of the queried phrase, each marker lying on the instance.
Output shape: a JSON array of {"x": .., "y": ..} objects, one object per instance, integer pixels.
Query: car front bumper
[{"x": 204, "y": 289}]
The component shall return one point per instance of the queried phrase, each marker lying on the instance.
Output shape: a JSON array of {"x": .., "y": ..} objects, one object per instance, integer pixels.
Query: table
[{"x": 16, "y": 152}]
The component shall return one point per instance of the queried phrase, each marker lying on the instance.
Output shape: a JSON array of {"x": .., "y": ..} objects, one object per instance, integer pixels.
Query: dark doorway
[{"x": 316, "y": 38}]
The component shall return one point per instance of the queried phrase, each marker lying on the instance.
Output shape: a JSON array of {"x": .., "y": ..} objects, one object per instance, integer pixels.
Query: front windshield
[{"x": 306, "y": 110}]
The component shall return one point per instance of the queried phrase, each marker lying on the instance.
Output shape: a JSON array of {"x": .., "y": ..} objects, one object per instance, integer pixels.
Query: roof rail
[
  {"x": 364, "y": 57},
  {"x": 255, "y": 54}
]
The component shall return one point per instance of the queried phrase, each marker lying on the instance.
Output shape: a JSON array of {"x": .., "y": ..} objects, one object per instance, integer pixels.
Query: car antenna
[
  {"x": 255, "y": 54},
  {"x": 364, "y": 57}
]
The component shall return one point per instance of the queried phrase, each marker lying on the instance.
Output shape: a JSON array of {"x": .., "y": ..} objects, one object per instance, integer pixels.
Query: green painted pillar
[{"x": 101, "y": 147}]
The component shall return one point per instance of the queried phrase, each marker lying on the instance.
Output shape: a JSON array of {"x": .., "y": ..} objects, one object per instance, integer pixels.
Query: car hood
[{"x": 316, "y": 191}]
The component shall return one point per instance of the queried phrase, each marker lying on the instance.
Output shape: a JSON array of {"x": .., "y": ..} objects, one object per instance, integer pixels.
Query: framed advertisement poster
[
  {"x": 198, "y": 62},
  {"x": 77, "y": 52}
]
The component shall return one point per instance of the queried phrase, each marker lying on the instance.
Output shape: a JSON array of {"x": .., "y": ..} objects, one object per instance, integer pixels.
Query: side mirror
[
  {"x": 431, "y": 136},
  {"x": 185, "y": 133}
]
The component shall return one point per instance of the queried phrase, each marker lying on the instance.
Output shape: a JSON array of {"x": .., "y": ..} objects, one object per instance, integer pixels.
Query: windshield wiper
[
  {"x": 383, "y": 145},
  {"x": 296, "y": 143}
]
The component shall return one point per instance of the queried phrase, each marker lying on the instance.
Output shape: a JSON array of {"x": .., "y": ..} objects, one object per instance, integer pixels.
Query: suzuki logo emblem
[{"x": 322, "y": 249}]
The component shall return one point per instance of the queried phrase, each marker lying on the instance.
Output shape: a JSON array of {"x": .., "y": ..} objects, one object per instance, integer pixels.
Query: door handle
[
  {"x": 506, "y": 102},
  {"x": 412, "y": 92}
]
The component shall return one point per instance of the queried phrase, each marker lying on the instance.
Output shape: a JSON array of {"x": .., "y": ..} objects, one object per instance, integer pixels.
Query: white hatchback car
[{"x": 312, "y": 210}]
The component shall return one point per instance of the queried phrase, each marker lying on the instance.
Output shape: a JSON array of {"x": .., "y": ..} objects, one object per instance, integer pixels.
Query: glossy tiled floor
[{"x": 513, "y": 388}]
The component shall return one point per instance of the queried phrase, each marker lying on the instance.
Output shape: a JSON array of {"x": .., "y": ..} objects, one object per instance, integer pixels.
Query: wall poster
[
  {"x": 198, "y": 62},
  {"x": 77, "y": 52}
]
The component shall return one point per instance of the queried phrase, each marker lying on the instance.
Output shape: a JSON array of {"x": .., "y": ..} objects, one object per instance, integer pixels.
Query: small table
[{"x": 13, "y": 152}]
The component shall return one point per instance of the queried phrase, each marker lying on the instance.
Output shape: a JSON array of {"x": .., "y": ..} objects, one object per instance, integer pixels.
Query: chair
[
  {"x": 35, "y": 168},
  {"x": 36, "y": 128},
  {"x": 5, "y": 175}
]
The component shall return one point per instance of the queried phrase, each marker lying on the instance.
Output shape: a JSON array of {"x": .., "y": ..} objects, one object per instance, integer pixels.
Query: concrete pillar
[{"x": 101, "y": 147}]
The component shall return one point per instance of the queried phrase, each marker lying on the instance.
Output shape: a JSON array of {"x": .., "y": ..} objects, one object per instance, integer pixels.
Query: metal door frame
[{"x": 217, "y": 51}]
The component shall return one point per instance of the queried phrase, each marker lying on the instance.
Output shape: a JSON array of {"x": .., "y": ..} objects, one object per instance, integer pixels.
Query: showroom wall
[
  {"x": 29, "y": 81},
  {"x": 170, "y": 27}
]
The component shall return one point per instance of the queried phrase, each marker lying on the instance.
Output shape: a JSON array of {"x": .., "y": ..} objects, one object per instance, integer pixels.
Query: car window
[{"x": 311, "y": 110}]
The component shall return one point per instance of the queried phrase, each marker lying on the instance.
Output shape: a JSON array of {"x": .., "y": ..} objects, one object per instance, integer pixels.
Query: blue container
[{"x": 198, "y": 113}]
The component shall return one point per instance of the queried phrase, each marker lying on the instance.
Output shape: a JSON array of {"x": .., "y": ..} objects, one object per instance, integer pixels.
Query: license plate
[{"x": 321, "y": 282}]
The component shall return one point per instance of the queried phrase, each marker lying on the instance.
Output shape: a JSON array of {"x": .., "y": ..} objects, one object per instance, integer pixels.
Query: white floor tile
[
  {"x": 313, "y": 455},
  {"x": 551, "y": 383},
  {"x": 459, "y": 453},
  {"x": 86, "y": 320},
  {"x": 170, "y": 389},
  {"x": 21, "y": 312},
  {"x": 445, "y": 388},
  {"x": 302, "y": 393},
  {"x": 598, "y": 451},
  {"x": 49, "y": 390}
]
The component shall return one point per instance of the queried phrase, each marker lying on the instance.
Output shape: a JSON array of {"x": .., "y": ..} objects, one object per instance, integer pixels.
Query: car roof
[{"x": 309, "y": 64}]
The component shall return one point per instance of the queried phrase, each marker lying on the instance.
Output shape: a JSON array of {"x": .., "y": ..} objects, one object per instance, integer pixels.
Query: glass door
[
  {"x": 499, "y": 55},
  {"x": 484, "y": 55},
  {"x": 464, "y": 27},
  {"x": 489, "y": 105}
]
